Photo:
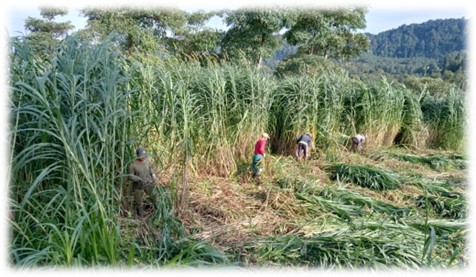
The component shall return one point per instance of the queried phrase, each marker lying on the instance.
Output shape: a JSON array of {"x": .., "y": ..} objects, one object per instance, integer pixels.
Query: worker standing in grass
[
  {"x": 303, "y": 146},
  {"x": 143, "y": 178},
  {"x": 259, "y": 154},
  {"x": 357, "y": 142}
]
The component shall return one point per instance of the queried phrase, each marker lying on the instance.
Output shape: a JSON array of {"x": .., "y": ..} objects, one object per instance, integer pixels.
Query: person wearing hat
[
  {"x": 142, "y": 175},
  {"x": 303, "y": 145},
  {"x": 357, "y": 142},
  {"x": 259, "y": 154}
]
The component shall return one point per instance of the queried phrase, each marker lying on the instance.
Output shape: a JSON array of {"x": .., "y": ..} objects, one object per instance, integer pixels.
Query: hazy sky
[{"x": 379, "y": 17}]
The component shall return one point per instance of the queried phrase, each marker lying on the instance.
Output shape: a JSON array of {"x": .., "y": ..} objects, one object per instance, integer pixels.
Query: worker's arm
[
  {"x": 132, "y": 175},
  {"x": 152, "y": 172}
]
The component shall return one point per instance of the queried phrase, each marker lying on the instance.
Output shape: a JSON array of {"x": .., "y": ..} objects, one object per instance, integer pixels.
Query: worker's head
[
  {"x": 265, "y": 136},
  {"x": 141, "y": 154}
]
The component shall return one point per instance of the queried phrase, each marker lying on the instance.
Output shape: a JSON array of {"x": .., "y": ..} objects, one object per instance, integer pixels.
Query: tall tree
[
  {"x": 253, "y": 33},
  {"x": 328, "y": 33},
  {"x": 137, "y": 28},
  {"x": 46, "y": 33},
  {"x": 148, "y": 29},
  {"x": 195, "y": 38}
]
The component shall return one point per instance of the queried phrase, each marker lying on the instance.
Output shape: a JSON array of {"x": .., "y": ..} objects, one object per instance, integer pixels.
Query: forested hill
[{"x": 432, "y": 39}]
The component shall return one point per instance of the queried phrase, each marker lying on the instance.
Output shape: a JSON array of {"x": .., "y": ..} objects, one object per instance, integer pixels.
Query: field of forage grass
[{"x": 76, "y": 118}]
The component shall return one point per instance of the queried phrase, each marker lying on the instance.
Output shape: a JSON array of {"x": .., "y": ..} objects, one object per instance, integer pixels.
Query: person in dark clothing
[
  {"x": 143, "y": 178},
  {"x": 303, "y": 146}
]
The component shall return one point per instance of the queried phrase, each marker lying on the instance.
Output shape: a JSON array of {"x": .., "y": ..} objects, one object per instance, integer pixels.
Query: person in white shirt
[{"x": 357, "y": 142}]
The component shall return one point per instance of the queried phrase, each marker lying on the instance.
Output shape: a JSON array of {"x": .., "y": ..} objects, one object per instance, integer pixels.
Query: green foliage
[
  {"x": 445, "y": 118},
  {"x": 305, "y": 65},
  {"x": 252, "y": 33},
  {"x": 436, "y": 87},
  {"x": 439, "y": 198},
  {"x": 216, "y": 107},
  {"x": 310, "y": 104},
  {"x": 45, "y": 33},
  {"x": 133, "y": 26},
  {"x": 413, "y": 130},
  {"x": 73, "y": 124},
  {"x": 327, "y": 33},
  {"x": 66, "y": 155},
  {"x": 453, "y": 206},
  {"x": 432, "y": 39},
  {"x": 414, "y": 53},
  {"x": 350, "y": 197}
]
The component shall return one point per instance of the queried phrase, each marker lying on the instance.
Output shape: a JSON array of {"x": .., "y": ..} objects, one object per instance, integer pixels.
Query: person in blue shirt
[{"x": 303, "y": 146}]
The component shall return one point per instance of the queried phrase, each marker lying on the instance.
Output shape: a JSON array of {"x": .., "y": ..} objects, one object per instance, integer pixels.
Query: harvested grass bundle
[
  {"x": 447, "y": 207},
  {"x": 365, "y": 247},
  {"x": 443, "y": 199},
  {"x": 441, "y": 226},
  {"x": 435, "y": 162},
  {"x": 322, "y": 205},
  {"x": 350, "y": 197},
  {"x": 365, "y": 176}
]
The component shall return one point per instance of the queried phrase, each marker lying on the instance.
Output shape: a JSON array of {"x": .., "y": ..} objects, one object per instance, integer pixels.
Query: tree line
[
  {"x": 435, "y": 49},
  {"x": 283, "y": 41},
  {"x": 251, "y": 35}
]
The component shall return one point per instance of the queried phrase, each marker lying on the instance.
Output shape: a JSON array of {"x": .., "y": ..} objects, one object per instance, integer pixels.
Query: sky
[{"x": 381, "y": 16}]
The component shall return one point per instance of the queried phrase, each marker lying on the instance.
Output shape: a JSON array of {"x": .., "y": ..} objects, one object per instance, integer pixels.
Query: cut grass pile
[
  {"x": 365, "y": 176},
  {"x": 342, "y": 223},
  {"x": 435, "y": 162}
]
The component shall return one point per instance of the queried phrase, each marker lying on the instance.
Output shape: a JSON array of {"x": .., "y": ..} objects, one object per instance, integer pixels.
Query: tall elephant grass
[
  {"x": 68, "y": 132},
  {"x": 295, "y": 111},
  {"x": 378, "y": 109},
  {"x": 446, "y": 120},
  {"x": 226, "y": 108},
  {"x": 413, "y": 131},
  {"x": 75, "y": 122},
  {"x": 334, "y": 107}
]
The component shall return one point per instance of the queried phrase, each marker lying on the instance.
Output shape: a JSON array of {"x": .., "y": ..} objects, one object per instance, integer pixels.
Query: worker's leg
[
  {"x": 254, "y": 164},
  {"x": 355, "y": 144},
  {"x": 126, "y": 197},
  {"x": 305, "y": 150},
  {"x": 298, "y": 152},
  {"x": 138, "y": 190}
]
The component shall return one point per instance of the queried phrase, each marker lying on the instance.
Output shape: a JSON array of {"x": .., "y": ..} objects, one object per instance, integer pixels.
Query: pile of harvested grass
[{"x": 365, "y": 175}]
